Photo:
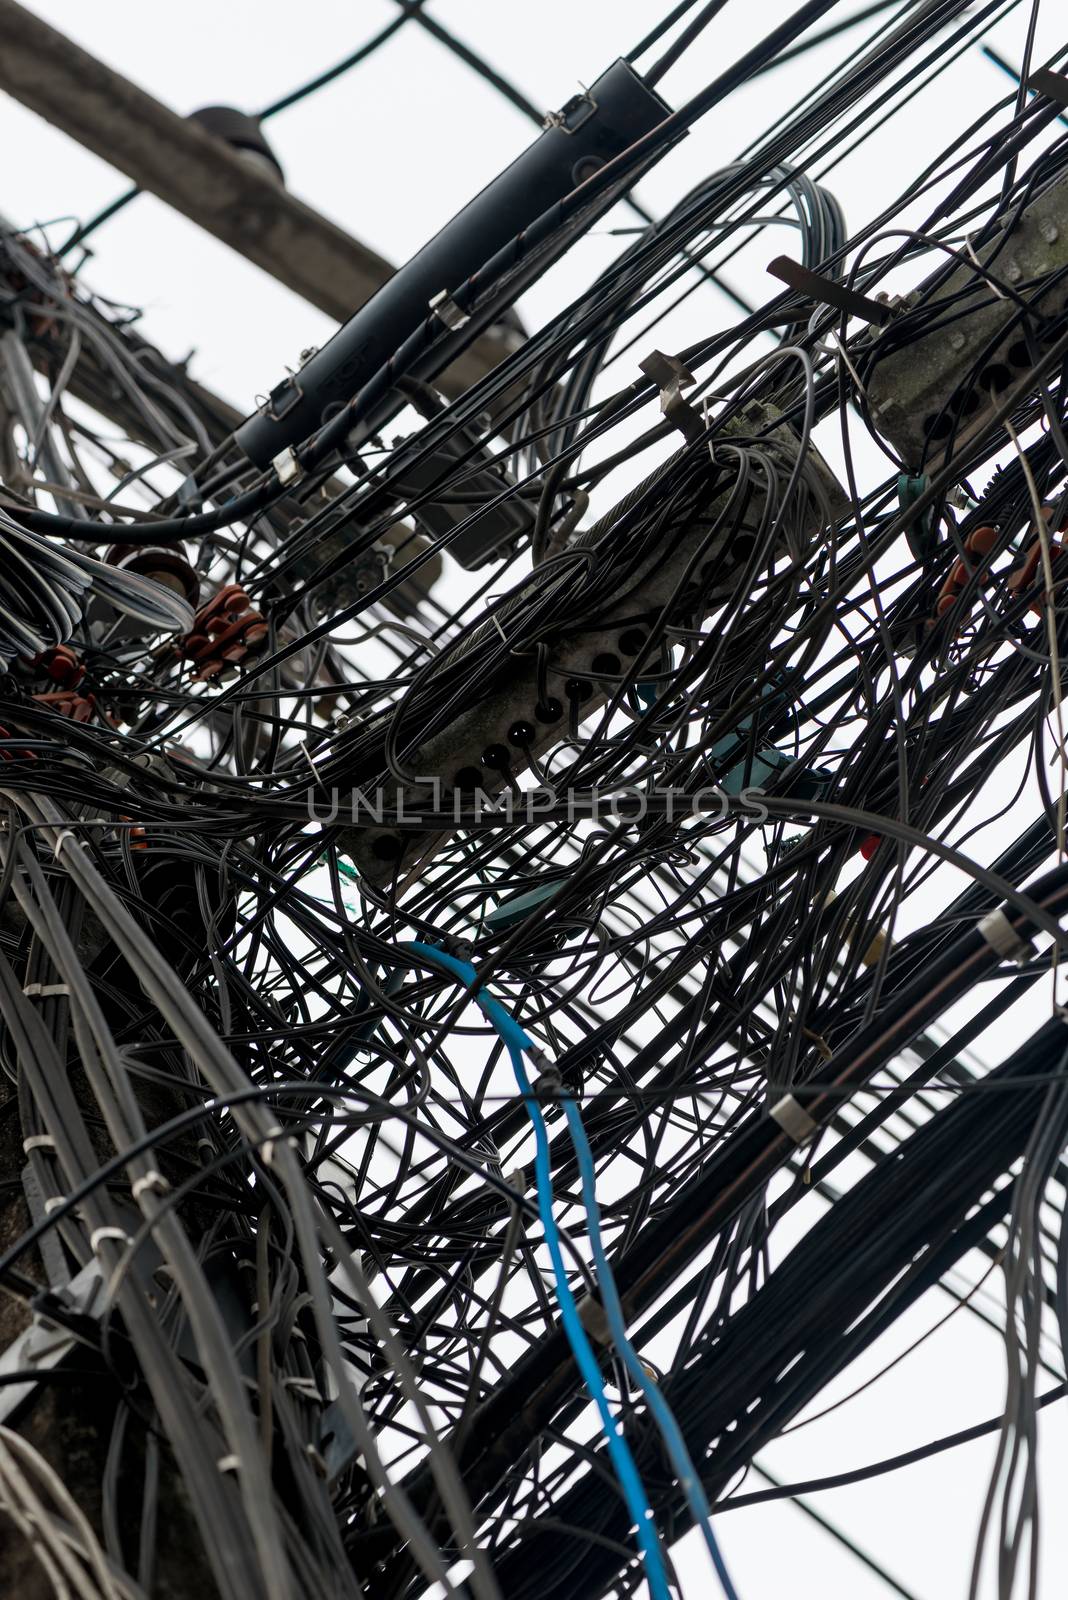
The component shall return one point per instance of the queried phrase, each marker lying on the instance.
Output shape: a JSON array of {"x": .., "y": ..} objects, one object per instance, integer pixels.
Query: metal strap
[
  {"x": 829, "y": 293},
  {"x": 444, "y": 307}
]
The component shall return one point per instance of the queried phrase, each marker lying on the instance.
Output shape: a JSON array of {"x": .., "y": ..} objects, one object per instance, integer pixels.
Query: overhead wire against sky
[{"x": 478, "y": 870}]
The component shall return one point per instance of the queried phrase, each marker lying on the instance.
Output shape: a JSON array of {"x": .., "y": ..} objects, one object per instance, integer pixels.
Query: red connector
[{"x": 225, "y": 631}]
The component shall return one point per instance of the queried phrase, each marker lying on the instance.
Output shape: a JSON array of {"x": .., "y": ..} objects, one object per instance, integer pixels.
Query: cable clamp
[
  {"x": 38, "y": 1141},
  {"x": 444, "y": 307},
  {"x": 45, "y": 990},
  {"x": 671, "y": 377},
  {"x": 287, "y": 468},
  {"x": 547, "y": 1085},
  {"x": 98, "y": 1235},
  {"x": 593, "y": 1319},
  {"x": 61, "y": 838},
  {"x": 229, "y": 1463},
  {"x": 794, "y": 1120},
  {"x": 1003, "y": 939},
  {"x": 54, "y": 1202},
  {"x": 152, "y": 1183}
]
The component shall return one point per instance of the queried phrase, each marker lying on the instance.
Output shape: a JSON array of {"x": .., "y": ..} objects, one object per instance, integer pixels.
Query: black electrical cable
[
  {"x": 906, "y": 1458},
  {"x": 216, "y": 1041},
  {"x": 686, "y": 38}
]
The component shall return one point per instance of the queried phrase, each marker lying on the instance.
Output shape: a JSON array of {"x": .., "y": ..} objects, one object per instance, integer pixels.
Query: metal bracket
[
  {"x": 283, "y": 397},
  {"x": 573, "y": 115},
  {"x": 44, "y": 1344},
  {"x": 671, "y": 376}
]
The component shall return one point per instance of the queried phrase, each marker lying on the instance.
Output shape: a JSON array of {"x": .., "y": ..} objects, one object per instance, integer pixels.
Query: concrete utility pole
[
  {"x": 197, "y": 173},
  {"x": 201, "y": 176}
]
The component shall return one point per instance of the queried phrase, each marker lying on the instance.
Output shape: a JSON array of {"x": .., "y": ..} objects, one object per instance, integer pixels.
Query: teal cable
[
  {"x": 663, "y": 1416},
  {"x": 517, "y": 1040},
  {"x": 637, "y": 1501}
]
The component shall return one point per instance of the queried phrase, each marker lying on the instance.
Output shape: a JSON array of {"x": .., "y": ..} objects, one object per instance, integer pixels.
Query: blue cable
[
  {"x": 662, "y": 1413},
  {"x": 517, "y": 1040}
]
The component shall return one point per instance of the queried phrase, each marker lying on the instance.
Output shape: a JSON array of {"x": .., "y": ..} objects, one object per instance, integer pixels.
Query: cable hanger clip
[{"x": 671, "y": 377}]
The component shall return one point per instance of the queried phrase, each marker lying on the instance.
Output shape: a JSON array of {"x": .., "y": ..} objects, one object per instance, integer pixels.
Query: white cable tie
[
  {"x": 229, "y": 1463},
  {"x": 152, "y": 1183},
  {"x": 497, "y": 624},
  {"x": 38, "y": 1141},
  {"x": 794, "y": 1120},
  {"x": 98, "y": 1235},
  {"x": 267, "y": 1151},
  {"x": 45, "y": 990},
  {"x": 1003, "y": 939},
  {"x": 987, "y": 280},
  {"x": 305, "y": 1386},
  {"x": 61, "y": 838},
  {"x": 54, "y": 1202}
]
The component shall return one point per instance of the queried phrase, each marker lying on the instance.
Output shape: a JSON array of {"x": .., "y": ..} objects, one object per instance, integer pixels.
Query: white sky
[{"x": 390, "y": 152}]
